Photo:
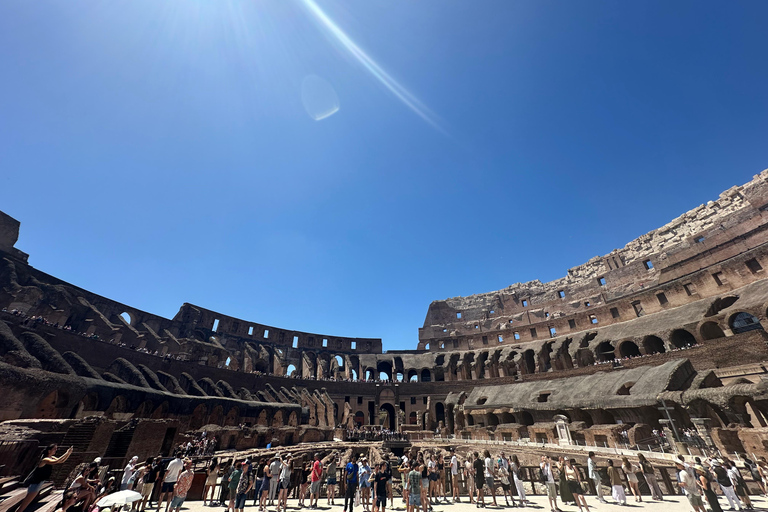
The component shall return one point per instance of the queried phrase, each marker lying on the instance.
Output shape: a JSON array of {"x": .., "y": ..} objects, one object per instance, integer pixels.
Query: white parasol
[{"x": 119, "y": 498}]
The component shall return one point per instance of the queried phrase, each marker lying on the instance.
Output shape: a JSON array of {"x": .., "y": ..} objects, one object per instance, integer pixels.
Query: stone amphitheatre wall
[{"x": 656, "y": 320}]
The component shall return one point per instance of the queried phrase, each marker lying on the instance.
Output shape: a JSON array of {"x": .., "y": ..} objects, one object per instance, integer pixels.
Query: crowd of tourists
[
  {"x": 374, "y": 434},
  {"x": 427, "y": 478}
]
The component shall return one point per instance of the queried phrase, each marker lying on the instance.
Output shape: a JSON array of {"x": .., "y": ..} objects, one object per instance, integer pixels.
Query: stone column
[
  {"x": 703, "y": 427},
  {"x": 678, "y": 447}
]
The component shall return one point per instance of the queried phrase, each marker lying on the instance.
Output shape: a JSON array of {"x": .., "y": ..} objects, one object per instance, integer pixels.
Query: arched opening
[
  {"x": 413, "y": 376},
  {"x": 629, "y": 349},
  {"x": 127, "y": 317},
  {"x": 653, "y": 345},
  {"x": 744, "y": 322},
  {"x": 720, "y": 304},
  {"x": 711, "y": 331},
  {"x": 217, "y": 415},
  {"x": 525, "y": 418},
  {"x": 412, "y": 418},
  {"x": 680, "y": 338},
  {"x": 359, "y": 419},
  {"x": 387, "y": 416},
  {"x": 605, "y": 351},
  {"x": 370, "y": 374},
  {"x": 584, "y": 357},
  {"x": 439, "y": 413},
  {"x": 399, "y": 376},
  {"x": 353, "y": 373},
  {"x": 263, "y": 419},
  {"x": 529, "y": 361},
  {"x": 563, "y": 360},
  {"x": 426, "y": 375},
  {"x": 290, "y": 371},
  {"x": 161, "y": 411},
  {"x": 507, "y": 417},
  {"x": 545, "y": 357},
  {"x": 119, "y": 405},
  {"x": 232, "y": 416},
  {"x": 198, "y": 417},
  {"x": 293, "y": 420},
  {"x": 385, "y": 370},
  {"x": 144, "y": 410},
  {"x": 90, "y": 402}
]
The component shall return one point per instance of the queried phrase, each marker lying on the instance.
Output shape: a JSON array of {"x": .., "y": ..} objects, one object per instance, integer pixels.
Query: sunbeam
[{"x": 390, "y": 83}]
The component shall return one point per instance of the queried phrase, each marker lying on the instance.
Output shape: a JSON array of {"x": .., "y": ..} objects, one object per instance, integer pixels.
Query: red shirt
[{"x": 316, "y": 471}]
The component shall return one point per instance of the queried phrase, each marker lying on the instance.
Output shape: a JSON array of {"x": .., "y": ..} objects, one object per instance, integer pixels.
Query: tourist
[
  {"x": 285, "y": 484},
  {"x": 650, "y": 477},
  {"x": 721, "y": 475},
  {"x": 169, "y": 481},
  {"x": 266, "y": 485},
  {"x": 128, "y": 471},
  {"x": 616, "y": 477},
  {"x": 182, "y": 485},
  {"x": 705, "y": 483},
  {"x": 514, "y": 469},
  {"x": 547, "y": 477},
  {"x": 469, "y": 475},
  {"x": 350, "y": 476},
  {"x": 42, "y": 473},
  {"x": 632, "y": 481},
  {"x": 478, "y": 469},
  {"x": 388, "y": 472},
  {"x": 754, "y": 471},
  {"x": 234, "y": 482},
  {"x": 441, "y": 478},
  {"x": 380, "y": 480},
  {"x": 258, "y": 481},
  {"x": 488, "y": 471},
  {"x": 688, "y": 483},
  {"x": 151, "y": 471},
  {"x": 739, "y": 485},
  {"x": 224, "y": 494},
  {"x": 315, "y": 478},
  {"x": 454, "y": 477},
  {"x": 594, "y": 475},
  {"x": 244, "y": 486},
  {"x": 211, "y": 478},
  {"x": 404, "y": 469},
  {"x": 573, "y": 477},
  {"x": 274, "y": 471},
  {"x": 83, "y": 489},
  {"x": 506, "y": 486},
  {"x": 67, "y": 501},
  {"x": 565, "y": 489},
  {"x": 414, "y": 488},
  {"x": 330, "y": 482},
  {"x": 365, "y": 484},
  {"x": 433, "y": 479}
]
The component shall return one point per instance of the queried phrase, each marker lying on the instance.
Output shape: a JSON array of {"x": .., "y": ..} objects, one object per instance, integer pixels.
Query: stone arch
[
  {"x": 277, "y": 419},
  {"x": 388, "y": 416},
  {"x": 293, "y": 419},
  {"x": 525, "y": 418},
  {"x": 233, "y": 417},
  {"x": 384, "y": 367},
  {"x": 198, "y": 417},
  {"x": 89, "y": 402},
  {"x": 529, "y": 361},
  {"x": 545, "y": 357},
  {"x": 426, "y": 375},
  {"x": 704, "y": 409},
  {"x": 491, "y": 420},
  {"x": 744, "y": 322},
  {"x": 605, "y": 351},
  {"x": 629, "y": 348},
  {"x": 160, "y": 412},
  {"x": 412, "y": 418},
  {"x": 47, "y": 407},
  {"x": 290, "y": 370},
  {"x": 440, "y": 413},
  {"x": 359, "y": 418},
  {"x": 680, "y": 338},
  {"x": 584, "y": 357},
  {"x": 119, "y": 405},
  {"x": 263, "y": 418},
  {"x": 507, "y": 417},
  {"x": 563, "y": 360},
  {"x": 711, "y": 331},
  {"x": 413, "y": 376},
  {"x": 144, "y": 410},
  {"x": 217, "y": 415},
  {"x": 653, "y": 345}
]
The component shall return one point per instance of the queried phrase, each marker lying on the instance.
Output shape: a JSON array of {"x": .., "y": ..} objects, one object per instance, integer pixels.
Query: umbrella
[{"x": 119, "y": 498}]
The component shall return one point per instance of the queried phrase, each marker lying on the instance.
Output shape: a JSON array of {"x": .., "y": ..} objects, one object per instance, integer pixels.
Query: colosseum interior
[{"x": 662, "y": 336}]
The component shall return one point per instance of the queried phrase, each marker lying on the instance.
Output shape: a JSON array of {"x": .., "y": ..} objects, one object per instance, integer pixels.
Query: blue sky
[{"x": 161, "y": 152}]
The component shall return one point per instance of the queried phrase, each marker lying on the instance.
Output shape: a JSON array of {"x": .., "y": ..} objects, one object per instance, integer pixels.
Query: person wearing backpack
[
  {"x": 725, "y": 484},
  {"x": 234, "y": 481}
]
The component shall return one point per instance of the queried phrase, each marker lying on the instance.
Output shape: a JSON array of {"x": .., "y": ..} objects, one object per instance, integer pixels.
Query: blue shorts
[
  {"x": 415, "y": 499},
  {"x": 177, "y": 501},
  {"x": 240, "y": 500},
  {"x": 35, "y": 487},
  {"x": 331, "y": 481}
]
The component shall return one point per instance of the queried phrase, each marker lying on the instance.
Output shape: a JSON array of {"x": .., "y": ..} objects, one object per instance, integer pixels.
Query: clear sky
[{"x": 334, "y": 166}]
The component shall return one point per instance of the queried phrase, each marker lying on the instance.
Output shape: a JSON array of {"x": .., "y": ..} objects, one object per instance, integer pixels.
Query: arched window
[
  {"x": 681, "y": 338},
  {"x": 629, "y": 349},
  {"x": 605, "y": 351},
  {"x": 426, "y": 376},
  {"x": 711, "y": 331},
  {"x": 653, "y": 345},
  {"x": 290, "y": 370},
  {"x": 744, "y": 322}
]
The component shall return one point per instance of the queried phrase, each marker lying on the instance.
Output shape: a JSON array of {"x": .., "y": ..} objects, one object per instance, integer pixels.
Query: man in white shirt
[
  {"x": 548, "y": 478},
  {"x": 455, "y": 476},
  {"x": 688, "y": 483},
  {"x": 169, "y": 481},
  {"x": 274, "y": 482},
  {"x": 594, "y": 475}
]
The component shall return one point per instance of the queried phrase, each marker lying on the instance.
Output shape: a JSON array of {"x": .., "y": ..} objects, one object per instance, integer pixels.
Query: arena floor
[{"x": 670, "y": 504}]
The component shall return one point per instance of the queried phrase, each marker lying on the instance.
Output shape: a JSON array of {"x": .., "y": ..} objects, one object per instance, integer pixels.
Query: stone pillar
[
  {"x": 703, "y": 427},
  {"x": 678, "y": 447},
  {"x": 563, "y": 431}
]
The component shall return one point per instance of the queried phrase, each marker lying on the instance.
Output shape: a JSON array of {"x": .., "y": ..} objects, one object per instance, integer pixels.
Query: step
[
  {"x": 12, "y": 499},
  {"x": 9, "y": 483}
]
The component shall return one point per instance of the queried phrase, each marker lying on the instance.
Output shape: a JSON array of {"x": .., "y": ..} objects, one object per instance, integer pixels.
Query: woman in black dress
[
  {"x": 42, "y": 473},
  {"x": 705, "y": 483},
  {"x": 565, "y": 491}
]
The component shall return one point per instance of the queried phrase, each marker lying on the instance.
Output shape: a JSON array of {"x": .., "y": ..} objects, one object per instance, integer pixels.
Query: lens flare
[{"x": 382, "y": 76}]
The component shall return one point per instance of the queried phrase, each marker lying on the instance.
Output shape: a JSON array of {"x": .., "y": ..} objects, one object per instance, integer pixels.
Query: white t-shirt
[
  {"x": 454, "y": 465},
  {"x": 173, "y": 470},
  {"x": 488, "y": 467},
  {"x": 690, "y": 484},
  {"x": 546, "y": 468}
]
